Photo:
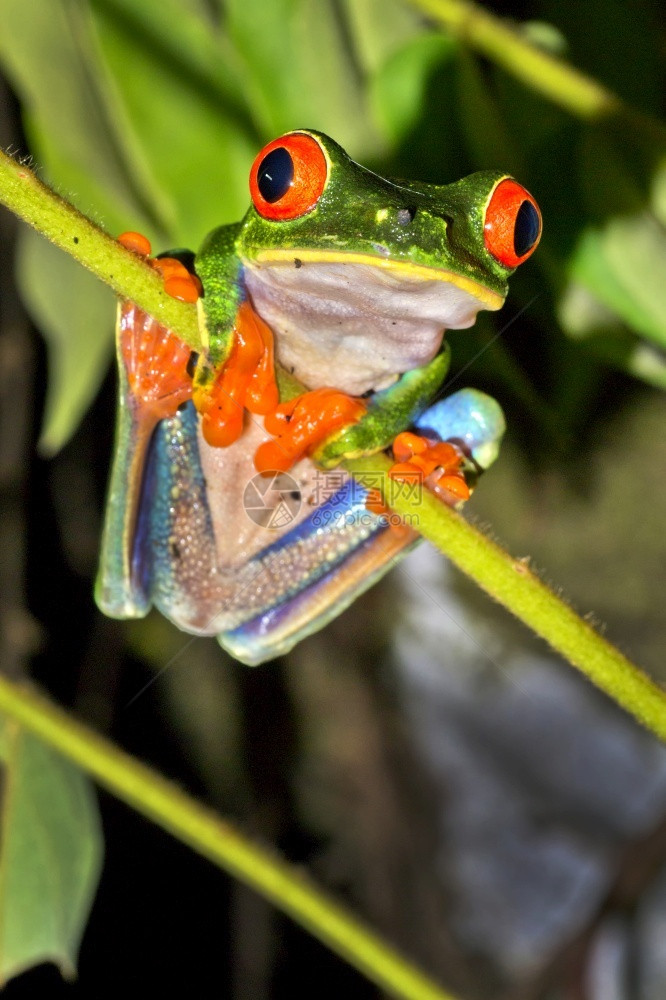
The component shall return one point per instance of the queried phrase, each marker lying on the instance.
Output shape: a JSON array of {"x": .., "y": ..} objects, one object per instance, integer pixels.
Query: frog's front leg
[
  {"x": 235, "y": 370},
  {"x": 242, "y": 377},
  {"x": 330, "y": 426},
  {"x": 457, "y": 437}
]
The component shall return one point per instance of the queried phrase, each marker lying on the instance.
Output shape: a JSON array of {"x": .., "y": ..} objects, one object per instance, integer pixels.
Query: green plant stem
[
  {"x": 205, "y": 832},
  {"x": 543, "y": 72},
  {"x": 61, "y": 223},
  {"x": 511, "y": 582}
]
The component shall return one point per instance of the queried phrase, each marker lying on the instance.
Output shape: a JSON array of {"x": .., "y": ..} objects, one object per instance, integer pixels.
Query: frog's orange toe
[
  {"x": 453, "y": 484},
  {"x": 222, "y": 425},
  {"x": 407, "y": 444},
  {"x": 272, "y": 456},
  {"x": 436, "y": 465},
  {"x": 178, "y": 281},
  {"x": 136, "y": 242},
  {"x": 374, "y": 502},
  {"x": 301, "y": 425},
  {"x": 245, "y": 381}
]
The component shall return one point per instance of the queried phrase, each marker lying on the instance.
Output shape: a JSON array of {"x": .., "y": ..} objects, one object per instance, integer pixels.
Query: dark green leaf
[
  {"x": 49, "y": 52},
  {"x": 399, "y": 88},
  {"x": 194, "y": 152},
  {"x": 50, "y": 856},
  {"x": 300, "y": 70},
  {"x": 380, "y": 28}
]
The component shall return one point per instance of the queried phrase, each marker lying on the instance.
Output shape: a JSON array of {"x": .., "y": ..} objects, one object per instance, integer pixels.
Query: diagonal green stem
[
  {"x": 61, "y": 223},
  {"x": 543, "y": 72},
  {"x": 206, "y": 833},
  {"x": 509, "y": 581}
]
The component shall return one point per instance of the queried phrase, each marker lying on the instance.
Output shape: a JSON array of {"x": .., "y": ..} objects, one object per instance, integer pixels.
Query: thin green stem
[
  {"x": 511, "y": 582},
  {"x": 543, "y": 72},
  {"x": 209, "y": 835},
  {"x": 61, "y": 223}
]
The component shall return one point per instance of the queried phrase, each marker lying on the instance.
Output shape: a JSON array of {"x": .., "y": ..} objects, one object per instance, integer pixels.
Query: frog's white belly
[{"x": 354, "y": 325}]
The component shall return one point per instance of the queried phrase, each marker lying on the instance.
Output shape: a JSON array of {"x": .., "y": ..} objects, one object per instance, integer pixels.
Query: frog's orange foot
[
  {"x": 156, "y": 363},
  {"x": 436, "y": 465},
  {"x": 302, "y": 424},
  {"x": 178, "y": 281},
  {"x": 246, "y": 381}
]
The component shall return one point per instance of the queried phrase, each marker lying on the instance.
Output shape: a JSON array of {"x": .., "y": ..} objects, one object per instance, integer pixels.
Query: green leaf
[
  {"x": 196, "y": 149},
  {"x": 607, "y": 263},
  {"x": 380, "y": 28},
  {"x": 49, "y": 54},
  {"x": 76, "y": 315},
  {"x": 482, "y": 122},
  {"x": 188, "y": 38},
  {"x": 301, "y": 72},
  {"x": 626, "y": 254},
  {"x": 399, "y": 88},
  {"x": 50, "y": 858}
]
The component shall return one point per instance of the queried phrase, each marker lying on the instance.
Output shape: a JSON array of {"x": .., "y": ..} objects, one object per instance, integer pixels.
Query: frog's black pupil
[
  {"x": 275, "y": 174},
  {"x": 526, "y": 231}
]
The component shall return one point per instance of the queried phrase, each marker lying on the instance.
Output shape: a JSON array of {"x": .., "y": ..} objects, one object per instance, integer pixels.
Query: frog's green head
[{"x": 336, "y": 255}]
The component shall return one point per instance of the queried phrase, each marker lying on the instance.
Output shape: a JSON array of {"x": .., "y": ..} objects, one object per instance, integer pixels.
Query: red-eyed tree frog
[{"x": 221, "y": 511}]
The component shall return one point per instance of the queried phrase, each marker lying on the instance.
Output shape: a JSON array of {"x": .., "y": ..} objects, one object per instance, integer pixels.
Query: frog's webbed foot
[
  {"x": 458, "y": 438},
  {"x": 301, "y": 425},
  {"x": 437, "y": 465},
  {"x": 245, "y": 381},
  {"x": 155, "y": 360},
  {"x": 155, "y": 381}
]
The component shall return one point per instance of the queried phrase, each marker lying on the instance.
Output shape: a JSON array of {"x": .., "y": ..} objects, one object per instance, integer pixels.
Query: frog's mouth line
[{"x": 487, "y": 298}]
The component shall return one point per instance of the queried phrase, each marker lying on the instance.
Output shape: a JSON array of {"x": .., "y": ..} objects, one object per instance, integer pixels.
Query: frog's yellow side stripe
[
  {"x": 406, "y": 268},
  {"x": 203, "y": 325}
]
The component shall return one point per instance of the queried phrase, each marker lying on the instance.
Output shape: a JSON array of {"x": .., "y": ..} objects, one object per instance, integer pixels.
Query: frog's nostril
[{"x": 405, "y": 216}]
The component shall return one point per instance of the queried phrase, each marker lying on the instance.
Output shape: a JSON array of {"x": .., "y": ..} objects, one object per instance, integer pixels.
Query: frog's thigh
[
  {"x": 185, "y": 558},
  {"x": 318, "y": 601},
  {"x": 174, "y": 555}
]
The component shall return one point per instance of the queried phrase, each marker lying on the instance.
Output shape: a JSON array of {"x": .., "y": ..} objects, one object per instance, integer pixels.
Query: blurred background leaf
[{"x": 51, "y": 855}]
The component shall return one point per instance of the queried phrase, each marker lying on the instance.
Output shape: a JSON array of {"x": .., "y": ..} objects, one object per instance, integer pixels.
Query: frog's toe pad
[
  {"x": 436, "y": 465},
  {"x": 179, "y": 283},
  {"x": 136, "y": 242}
]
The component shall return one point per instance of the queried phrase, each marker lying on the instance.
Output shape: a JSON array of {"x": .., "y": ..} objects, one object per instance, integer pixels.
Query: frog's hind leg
[
  {"x": 373, "y": 547},
  {"x": 472, "y": 421},
  {"x": 153, "y": 383}
]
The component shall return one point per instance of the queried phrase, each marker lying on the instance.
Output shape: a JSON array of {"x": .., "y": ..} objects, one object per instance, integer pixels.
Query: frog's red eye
[
  {"x": 512, "y": 227},
  {"x": 288, "y": 176}
]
